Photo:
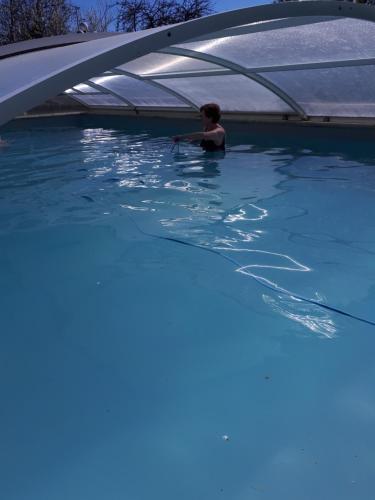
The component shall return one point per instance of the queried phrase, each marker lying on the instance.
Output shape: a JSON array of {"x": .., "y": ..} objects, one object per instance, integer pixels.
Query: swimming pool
[{"x": 153, "y": 345}]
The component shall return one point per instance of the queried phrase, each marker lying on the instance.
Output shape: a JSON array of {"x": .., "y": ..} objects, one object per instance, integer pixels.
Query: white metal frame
[
  {"x": 126, "y": 48},
  {"x": 118, "y": 71},
  {"x": 106, "y": 90},
  {"x": 263, "y": 26},
  {"x": 237, "y": 69}
]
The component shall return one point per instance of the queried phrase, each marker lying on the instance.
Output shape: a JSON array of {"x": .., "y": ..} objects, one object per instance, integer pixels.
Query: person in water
[{"x": 213, "y": 136}]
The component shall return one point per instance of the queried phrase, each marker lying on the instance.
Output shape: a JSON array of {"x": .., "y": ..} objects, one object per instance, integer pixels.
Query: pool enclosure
[{"x": 304, "y": 61}]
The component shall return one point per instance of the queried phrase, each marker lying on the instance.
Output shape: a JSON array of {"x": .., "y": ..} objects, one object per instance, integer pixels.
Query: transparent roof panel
[
  {"x": 24, "y": 69},
  {"x": 258, "y": 26},
  {"x": 326, "y": 75},
  {"x": 140, "y": 93},
  {"x": 340, "y": 39},
  {"x": 231, "y": 92},
  {"x": 156, "y": 63},
  {"x": 100, "y": 100},
  {"x": 346, "y": 91},
  {"x": 86, "y": 89}
]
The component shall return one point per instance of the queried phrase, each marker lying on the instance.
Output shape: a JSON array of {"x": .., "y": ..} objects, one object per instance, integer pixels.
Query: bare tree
[
  {"x": 49, "y": 17},
  {"x": 130, "y": 15},
  {"x": 160, "y": 13},
  {"x": 101, "y": 16},
  {"x": 135, "y": 15},
  {"x": 191, "y": 9},
  {"x": 12, "y": 20},
  {"x": 26, "y": 19}
]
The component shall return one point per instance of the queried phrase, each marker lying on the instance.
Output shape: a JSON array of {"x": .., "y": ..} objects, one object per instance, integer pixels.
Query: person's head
[{"x": 210, "y": 113}]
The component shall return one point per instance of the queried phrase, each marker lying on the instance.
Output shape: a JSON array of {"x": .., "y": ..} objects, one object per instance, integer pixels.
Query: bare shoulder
[
  {"x": 220, "y": 133},
  {"x": 220, "y": 129}
]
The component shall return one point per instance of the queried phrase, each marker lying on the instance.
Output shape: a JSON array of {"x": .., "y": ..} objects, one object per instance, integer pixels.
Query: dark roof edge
[{"x": 14, "y": 49}]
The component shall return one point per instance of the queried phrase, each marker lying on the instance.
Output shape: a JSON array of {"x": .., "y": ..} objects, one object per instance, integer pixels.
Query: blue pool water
[{"x": 134, "y": 366}]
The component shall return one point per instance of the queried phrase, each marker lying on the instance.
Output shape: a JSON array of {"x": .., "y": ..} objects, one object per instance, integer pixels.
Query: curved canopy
[{"x": 300, "y": 58}]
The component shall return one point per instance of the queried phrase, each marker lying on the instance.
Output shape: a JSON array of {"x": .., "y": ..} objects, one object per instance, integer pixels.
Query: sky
[{"x": 219, "y": 5}]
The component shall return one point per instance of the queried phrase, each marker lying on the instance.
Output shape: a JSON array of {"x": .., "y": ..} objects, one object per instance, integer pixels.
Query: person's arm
[
  {"x": 213, "y": 135},
  {"x": 194, "y": 136}
]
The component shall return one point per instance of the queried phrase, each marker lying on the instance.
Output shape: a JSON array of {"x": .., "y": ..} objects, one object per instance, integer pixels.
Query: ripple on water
[
  {"x": 70, "y": 176},
  {"x": 308, "y": 315}
]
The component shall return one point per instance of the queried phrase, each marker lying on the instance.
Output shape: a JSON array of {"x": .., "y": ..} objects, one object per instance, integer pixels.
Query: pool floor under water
[{"x": 153, "y": 345}]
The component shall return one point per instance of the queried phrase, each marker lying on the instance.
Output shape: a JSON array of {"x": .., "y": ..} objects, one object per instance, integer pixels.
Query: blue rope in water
[{"x": 258, "y": 280}]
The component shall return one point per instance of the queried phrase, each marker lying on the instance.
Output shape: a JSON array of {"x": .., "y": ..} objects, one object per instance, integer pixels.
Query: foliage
[
  {"x": 27, "y": 19},
  {"x": 137, "y": 15},
  {"x": 99, "y": 17}
]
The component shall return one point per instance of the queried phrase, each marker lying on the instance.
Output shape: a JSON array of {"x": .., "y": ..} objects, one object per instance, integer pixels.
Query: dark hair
[{"x": 211, "y": 110}]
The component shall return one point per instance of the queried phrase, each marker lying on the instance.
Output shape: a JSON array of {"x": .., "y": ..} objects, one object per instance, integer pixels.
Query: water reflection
[
  {"x": 208, "y": 166},
  {"x": 261, "y": 198}
]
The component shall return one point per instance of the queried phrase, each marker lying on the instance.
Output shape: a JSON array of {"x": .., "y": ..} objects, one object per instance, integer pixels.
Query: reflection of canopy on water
[{"x": 308, "y": 59}]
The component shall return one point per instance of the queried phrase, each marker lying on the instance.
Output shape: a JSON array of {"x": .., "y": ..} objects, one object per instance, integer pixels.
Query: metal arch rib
[
  {"x": 261, "y": 27},
  {"x": 94, "y": 57},
  {"x": 118, "y": 71},
  {"x": 346, "y": 63},
  {"x": 106, "y": 90},
  {"x": 240, "y": 70}
]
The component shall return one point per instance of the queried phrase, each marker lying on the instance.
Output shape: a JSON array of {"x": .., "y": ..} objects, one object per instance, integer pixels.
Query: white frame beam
[
  {"x": 263, "y": 26},
  {"x": 94, "y": 57},
  {"x": 318, "y": 65},
  {"x": 193, "y": 105},
  {"x": 178, "y": 51},
  {"x": 263, "y": 69},
  {"x": 105, "y": 90}
]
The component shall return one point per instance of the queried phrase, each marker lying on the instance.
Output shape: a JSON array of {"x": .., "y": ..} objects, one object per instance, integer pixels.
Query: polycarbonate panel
[
  {"x": 86, "y": 89},
  {"x": 20, "y": 71},
  {"x": 331, "y": 92},
  {"x": 156, "y": 63},
  {"x": 100, "y": 100},
  {"x": 340, "y": 39},
  {"x": 266, "y": 25},
  {"x": 231, "y": 92},
  {"x": 344, "y": 92},
  {"x": 138, "y": 92}
]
